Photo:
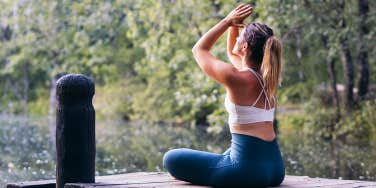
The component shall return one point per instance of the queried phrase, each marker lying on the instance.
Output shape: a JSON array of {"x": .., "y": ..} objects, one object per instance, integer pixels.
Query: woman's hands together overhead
[
  {"x": 221, "y": 72},
  {"x": 239, "y": 14}
]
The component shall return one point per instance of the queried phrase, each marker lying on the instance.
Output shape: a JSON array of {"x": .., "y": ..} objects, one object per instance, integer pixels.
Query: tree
[
  {"x": 363, "y": 66},
  {"x": 346, "y": 58}
]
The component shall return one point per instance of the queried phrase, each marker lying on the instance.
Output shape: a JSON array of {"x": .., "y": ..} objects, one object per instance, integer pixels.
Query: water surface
[{"x": 122, "y": 147}]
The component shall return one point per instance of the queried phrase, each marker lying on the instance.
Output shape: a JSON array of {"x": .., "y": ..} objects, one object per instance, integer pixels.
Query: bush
[
  {"x": 320, "y": 121},
  {"x": 297, "y": 93}
]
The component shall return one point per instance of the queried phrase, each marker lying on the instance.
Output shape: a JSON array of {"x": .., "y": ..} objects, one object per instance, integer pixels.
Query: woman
[{"x": 254, "y": 158}]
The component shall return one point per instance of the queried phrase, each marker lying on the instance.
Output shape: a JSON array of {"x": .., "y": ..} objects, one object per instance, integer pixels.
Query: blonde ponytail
[{"x": 272, "y": 65}]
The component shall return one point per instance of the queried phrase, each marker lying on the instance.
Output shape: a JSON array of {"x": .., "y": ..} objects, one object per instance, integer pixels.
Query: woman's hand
[{"x": 237, "y": 16}]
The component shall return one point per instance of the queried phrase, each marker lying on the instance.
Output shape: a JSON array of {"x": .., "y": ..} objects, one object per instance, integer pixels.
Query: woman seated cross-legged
[{"x": 251, "y": 81}]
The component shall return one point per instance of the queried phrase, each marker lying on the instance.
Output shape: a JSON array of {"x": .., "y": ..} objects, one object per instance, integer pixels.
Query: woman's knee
[{"x": 172, "y": 159}]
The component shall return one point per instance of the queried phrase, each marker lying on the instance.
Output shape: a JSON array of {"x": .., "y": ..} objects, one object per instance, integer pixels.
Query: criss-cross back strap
[{"x": 263, "y": 89}]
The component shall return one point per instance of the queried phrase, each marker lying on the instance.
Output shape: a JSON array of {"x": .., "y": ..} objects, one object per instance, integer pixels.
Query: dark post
[{"x": 75, "y": 130}]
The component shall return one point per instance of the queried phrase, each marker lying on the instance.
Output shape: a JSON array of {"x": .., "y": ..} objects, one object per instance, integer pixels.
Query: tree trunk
[
  {"x": 51, "y": 113},
  {"x": 349, "y": 74},
  {"x": 347, "y": 61},
  {"x": 216, "y": 5},
  {"x": 6, "y": 33},
  {"x": 363, "y": 50},
  {"x": 299, "y": 56},
  {"x": 25, "y": 92},
  {"x": 333, "y": 78},
  {"x": 52, "y": 107}
]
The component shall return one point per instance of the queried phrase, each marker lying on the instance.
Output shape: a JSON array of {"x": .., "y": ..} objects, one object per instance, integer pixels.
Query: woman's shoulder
[{"x": 245, "y": 79}]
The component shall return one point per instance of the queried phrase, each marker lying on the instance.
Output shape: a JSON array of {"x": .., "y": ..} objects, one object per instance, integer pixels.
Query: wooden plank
[
  {"x": 358, "y": 185},
  {"x": 132, "y": 176},
  {"x": 295, "y": 180},
  {"x": 141, "y": 179},
  {"x": 33, "y": 184},
  {"x": 161, "y": 179},
  {"x": 307, "y": 182},
  {"x": 164, "y": 180}
]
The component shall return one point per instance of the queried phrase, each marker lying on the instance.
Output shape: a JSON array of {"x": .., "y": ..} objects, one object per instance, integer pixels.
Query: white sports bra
[{"x": 239, "y": 114}]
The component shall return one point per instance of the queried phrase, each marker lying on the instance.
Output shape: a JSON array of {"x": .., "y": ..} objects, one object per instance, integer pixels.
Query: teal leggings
[{"x": 249, "y": 162}]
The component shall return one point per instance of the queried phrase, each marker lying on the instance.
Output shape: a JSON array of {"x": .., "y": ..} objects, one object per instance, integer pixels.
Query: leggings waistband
[{"x": 251, "y": 147}]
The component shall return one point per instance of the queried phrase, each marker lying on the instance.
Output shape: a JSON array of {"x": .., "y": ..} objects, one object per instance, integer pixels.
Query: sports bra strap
[
  {"x": 263, "y": 89},
  {"x": 257, "y": 99},
  {"x": 265, "y": 103}
]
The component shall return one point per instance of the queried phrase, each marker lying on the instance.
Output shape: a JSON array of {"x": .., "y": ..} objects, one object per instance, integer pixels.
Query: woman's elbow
[
  {"x": 195, "y": 49},
  {"x": 199, "y": 51}
]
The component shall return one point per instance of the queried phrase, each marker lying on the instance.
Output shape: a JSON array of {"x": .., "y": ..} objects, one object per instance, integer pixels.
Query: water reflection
[
  {"x": 130, "y": 147},
  {"x": 319, "y": 158}
]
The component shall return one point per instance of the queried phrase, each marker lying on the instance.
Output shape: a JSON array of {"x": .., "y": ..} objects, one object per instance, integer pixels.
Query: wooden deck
[{"x": 161, "y": 179}]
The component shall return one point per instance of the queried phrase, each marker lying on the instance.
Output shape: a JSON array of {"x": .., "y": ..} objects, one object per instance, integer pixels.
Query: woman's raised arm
[
  {"x": 233, "y": 33},
  {"x": 218, "y": 70}
]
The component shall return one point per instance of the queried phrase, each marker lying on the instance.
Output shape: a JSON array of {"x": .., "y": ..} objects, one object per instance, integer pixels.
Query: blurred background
[{"x": 151, "y": 95}]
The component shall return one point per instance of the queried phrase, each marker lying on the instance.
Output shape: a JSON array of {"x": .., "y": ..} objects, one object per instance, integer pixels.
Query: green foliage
[
  {"x": 169, "y": 78},
  {"x": 139, "y": 53},
  {"x": 112, "y": 101},
  {"x": 319, "y": 121},
  {"x": 359, "y": 126},
  {"x": 39, "y": 106},
  {"x": 297, "y": 93},
  {"x": 218, "y": 119}
]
